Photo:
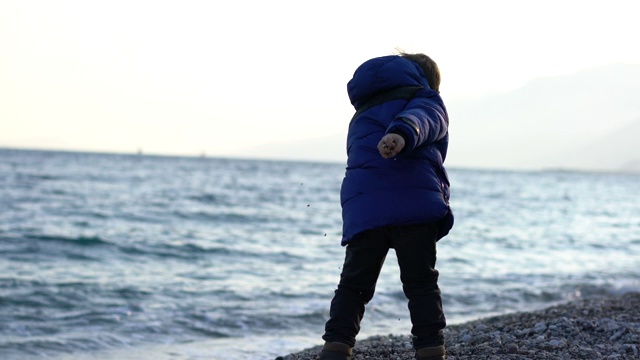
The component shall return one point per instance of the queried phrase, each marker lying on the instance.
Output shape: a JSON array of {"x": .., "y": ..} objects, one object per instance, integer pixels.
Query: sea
[{"x": 133, "y": 256}]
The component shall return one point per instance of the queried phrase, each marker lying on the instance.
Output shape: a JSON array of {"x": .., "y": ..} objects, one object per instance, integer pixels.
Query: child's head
[{"x": 429, "y": 67}]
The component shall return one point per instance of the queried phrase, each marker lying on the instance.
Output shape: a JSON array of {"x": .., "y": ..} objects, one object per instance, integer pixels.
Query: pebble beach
[{"x": 605, "y": 327}]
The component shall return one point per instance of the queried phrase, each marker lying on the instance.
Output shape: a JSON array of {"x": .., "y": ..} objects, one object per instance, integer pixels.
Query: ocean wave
[
  {"x": 222, "y": 217},
  {"x": 37, "y": 177},
  {"x": 210, "y": 199},
  {"x": 44, "y": 346},
  {"x": 77, "y": 240},
  {"x": 186, "y": 251}
]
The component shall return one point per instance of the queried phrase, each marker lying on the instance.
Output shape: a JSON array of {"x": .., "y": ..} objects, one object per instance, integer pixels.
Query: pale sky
[{"x": 223, "y": 77}]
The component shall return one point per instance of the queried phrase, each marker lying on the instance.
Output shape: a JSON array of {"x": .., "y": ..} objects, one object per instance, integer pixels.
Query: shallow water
[{"x": 126, "y": 256}]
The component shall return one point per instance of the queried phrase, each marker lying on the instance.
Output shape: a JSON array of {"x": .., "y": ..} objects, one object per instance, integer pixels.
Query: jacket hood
[{"x": 383, "y": 74}]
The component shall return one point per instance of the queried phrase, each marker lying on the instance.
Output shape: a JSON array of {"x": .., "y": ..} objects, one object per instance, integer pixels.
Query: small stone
[
  {"x": 617, "y": 335},
  {"x": 556, "y": 343},
  {"x": 512, "y": 348},
  {"x": 608, "y": 325},
  {"x": 540, "y": 327},
  {"x": 630, "y": 348},
  {"x": 600, "y": 347},
  {"x": 584, "y": 324},
  {"x": 481, "y": 327},
  {"x": 467, "y": 338}
]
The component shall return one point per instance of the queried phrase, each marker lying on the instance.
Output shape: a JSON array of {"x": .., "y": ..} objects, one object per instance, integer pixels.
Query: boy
[{"x": 395, "y": 194}]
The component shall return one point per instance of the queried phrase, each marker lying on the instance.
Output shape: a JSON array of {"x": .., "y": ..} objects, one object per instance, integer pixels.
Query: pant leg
[
  {"x": 365, "y": 255},
  {"x": 416, "y": 252}
]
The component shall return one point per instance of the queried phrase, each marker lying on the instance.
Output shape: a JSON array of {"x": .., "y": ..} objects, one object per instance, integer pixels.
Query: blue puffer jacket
[{"x": 411, "y": 188}]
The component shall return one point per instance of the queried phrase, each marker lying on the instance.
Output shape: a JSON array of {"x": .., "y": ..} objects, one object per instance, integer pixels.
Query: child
[{"x": 395, "y": 194}]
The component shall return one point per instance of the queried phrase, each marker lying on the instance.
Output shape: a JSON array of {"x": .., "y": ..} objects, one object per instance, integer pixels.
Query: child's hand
[{"x": 390, "y": 145}]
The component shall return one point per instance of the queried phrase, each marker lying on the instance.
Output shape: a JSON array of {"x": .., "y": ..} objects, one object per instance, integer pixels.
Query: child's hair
[{"x": 429, "y": 67}]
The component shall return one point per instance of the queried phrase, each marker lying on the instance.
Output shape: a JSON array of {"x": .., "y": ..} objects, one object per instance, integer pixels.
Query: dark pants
[{"x": 415, "y": 248}]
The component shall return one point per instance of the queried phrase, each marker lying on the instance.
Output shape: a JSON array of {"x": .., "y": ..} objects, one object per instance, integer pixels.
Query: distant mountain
[
  {"x": 551, "y": 122},
  {"x": 617, "y": 151},
  {"x": 588, "y": 121},
  {"x": 632, "y": 167}
]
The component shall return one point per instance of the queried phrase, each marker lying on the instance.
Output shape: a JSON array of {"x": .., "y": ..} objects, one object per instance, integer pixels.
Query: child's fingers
[{"x": 386, "y": 150}]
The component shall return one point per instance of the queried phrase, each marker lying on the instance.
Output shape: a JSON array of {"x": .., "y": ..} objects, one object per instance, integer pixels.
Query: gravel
[{"x": 595, "y": 328}]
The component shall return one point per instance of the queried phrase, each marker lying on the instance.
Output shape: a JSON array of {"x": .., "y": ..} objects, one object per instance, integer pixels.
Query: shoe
[
  {"x": 335, "y": 351},
  {"x": 431, "y": 353}
]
